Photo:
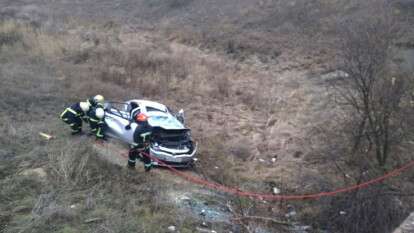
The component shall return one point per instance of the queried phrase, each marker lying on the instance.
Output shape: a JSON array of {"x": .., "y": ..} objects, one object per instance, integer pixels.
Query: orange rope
[{"x": 261, "y": 196}]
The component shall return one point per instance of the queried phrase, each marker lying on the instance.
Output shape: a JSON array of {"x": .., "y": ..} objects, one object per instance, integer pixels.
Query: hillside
[{"x": 256, "y": 79}]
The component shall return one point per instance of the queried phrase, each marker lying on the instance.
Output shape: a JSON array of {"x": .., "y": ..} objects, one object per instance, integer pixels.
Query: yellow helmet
[{"x": 99, "y": 99}]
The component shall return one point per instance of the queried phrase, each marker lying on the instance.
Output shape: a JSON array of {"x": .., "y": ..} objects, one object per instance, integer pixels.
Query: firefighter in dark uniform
[
  {"x": 140, "y": 148},
  {"x": 74, "y": 114},
  {"x": 96, "y": 116}
]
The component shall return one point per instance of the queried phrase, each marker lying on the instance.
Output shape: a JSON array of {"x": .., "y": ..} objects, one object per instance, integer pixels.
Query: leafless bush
[
  {"x": 8, "y": 34},
  {"x": 257, "y": 98},
  {"x": 241, "y": 150},
  {"x": 371, "y": 210},
  {"x": 69, "y": 163},
  {"x": 222, "y": 87}
]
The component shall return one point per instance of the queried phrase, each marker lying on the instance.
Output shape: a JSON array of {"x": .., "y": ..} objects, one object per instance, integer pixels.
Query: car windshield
[
  {"x": 165, "y": 121},
  {"x": 151, "y": 109}
]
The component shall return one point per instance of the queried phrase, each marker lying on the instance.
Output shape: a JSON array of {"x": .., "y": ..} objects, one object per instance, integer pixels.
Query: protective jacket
[
  {"x": 73, "y": 117},
  {"x": 96, "y": 123},
  {"x": 140, "y": 148}
]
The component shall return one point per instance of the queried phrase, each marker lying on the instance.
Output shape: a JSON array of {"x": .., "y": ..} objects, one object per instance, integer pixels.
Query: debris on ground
[
  {"x": 171, "y": 228},
  {"x": 207, "y": 212},
  {"x": 45, "y": 136},
  {"x": 276, "y": 190}
]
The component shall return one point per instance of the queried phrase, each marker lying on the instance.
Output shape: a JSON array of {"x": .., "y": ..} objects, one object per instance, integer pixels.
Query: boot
[
  {"x": 130, "y": 167},
  {"x": 147, "y": 167}
]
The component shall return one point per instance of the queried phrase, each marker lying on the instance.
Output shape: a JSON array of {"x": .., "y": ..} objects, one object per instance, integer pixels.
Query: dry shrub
[
  {"x": 161, "y": 63},
  {"x": 370, "y": 210},
  {"x": 151, "y": 72},
  {"x": 37, "y": 41},
  {"x": 241, "y": 149},
  {"x": 255, "y": 99},
  {"x": 223, "y": 86},
  {"x": 9, "y": 34},
  {"x": 69, "y": 162},
  {"x": 4, "y": 221}
]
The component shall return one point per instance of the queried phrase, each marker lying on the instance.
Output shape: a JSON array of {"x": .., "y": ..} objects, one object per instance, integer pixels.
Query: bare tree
[{"x": 371, "y": 88}]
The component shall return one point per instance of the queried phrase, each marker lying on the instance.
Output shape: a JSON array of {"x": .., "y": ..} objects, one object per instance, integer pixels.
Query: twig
[{"x": 267, "y": 219}]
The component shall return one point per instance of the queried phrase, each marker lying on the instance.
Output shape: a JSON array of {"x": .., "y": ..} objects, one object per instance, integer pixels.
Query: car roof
[
  {"x": 162, "y": 118},
  {"x": 152, "y": 104}
]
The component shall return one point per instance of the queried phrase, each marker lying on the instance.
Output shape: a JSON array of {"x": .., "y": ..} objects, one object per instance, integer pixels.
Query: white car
[{"x": 171, "y": 141}]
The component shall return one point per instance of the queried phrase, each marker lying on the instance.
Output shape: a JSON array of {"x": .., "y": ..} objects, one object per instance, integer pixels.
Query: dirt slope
[{"x": 260, "y": 117}]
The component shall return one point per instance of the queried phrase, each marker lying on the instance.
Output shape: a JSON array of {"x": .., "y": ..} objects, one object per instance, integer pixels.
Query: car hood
[{"x": 164, "y": 121}]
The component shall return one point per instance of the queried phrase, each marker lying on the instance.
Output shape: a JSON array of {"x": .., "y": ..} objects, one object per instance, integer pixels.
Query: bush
[
  {"x": 370, "y": 210},
  {"x": 10, "y": 33}
]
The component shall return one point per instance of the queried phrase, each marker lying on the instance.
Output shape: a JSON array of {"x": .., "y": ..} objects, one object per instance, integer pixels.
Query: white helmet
[
  {"x": 99, "y": 99},
  {"x": 100, "y": 113},
  {"x": 84, "y": 106}
]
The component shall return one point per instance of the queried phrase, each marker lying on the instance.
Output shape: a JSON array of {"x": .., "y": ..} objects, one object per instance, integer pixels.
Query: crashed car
[{"x": 171, "y": 141}]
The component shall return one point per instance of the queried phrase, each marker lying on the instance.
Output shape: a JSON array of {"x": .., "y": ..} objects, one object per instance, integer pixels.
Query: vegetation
[{"x": 254, "y": 89}]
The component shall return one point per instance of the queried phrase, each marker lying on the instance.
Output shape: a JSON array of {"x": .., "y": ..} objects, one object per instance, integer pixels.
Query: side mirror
[
  {"x": 180, "y": 116},
  {"x": 128, "y": 127}
]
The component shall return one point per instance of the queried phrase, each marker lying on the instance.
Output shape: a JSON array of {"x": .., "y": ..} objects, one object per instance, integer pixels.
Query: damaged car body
[{"x": 171, "y": 141}]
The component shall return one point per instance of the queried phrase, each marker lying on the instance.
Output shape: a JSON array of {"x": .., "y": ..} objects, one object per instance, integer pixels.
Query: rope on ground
[{"x": 272, "y": 197}]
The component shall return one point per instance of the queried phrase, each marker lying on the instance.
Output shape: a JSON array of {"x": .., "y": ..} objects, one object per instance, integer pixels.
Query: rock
[
  {"x": 342, "y": 212},
  {"x": 276, "y": 190},
  {"x": 171, "y": 228},
  {"x": 40, "y": 172},
  {"x": 273, "y": 160},
  {"x": 262, "y": 160}
]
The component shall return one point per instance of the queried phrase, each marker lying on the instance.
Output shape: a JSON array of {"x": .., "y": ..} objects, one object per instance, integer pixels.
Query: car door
[{"x": 116, "y": 122}]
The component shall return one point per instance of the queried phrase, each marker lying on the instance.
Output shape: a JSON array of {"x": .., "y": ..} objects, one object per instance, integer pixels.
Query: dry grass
[
  {"x": 15, "y": 35},
  {"x": 239, "y": 112},
  {"x": 75, "y": 188}
]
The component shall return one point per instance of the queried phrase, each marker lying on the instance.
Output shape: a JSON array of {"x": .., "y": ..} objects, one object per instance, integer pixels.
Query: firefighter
[
  {"x": 96, "y": 116},
  {"x": 140, "y": 148},
  {"x": 73, "y": 116},
  {"x": 96, "y": 122}
]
